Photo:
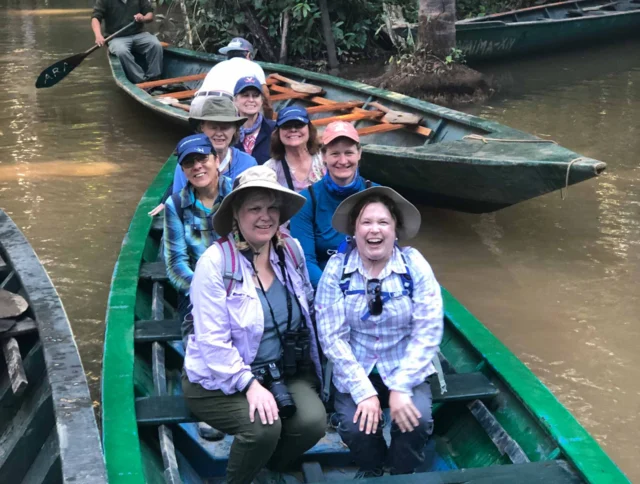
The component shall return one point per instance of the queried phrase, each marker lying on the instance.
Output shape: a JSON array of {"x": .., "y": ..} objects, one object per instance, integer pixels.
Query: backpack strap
[
  {"x": 294, "y": 251},
  {"x": 231, "y": 272},
  {"x": 287, "y": 174},
  {"x": 177, "y": 203},
  {"x": 312, "y": 194}
]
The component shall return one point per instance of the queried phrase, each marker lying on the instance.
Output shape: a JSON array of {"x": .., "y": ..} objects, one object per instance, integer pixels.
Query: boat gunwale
[
  {"x": 76, "y": 428},
  {"x": 555, "y": 6},
  {"x": 577, "y": 445}
]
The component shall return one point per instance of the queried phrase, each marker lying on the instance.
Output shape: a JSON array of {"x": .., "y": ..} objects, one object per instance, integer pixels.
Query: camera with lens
[{"x": 270, "y": 377}]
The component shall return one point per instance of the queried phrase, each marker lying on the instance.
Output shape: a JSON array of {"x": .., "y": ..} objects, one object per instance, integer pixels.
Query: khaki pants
[{"x": 256, "y": 445}]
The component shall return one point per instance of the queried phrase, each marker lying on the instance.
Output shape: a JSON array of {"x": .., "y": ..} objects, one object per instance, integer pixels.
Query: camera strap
[{"x": 273, "y": 316}]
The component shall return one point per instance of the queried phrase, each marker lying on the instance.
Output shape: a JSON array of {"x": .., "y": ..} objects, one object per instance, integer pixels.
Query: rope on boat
[
  {"x": 566, "y": 180},
  {"x": 506, "y": 140}
]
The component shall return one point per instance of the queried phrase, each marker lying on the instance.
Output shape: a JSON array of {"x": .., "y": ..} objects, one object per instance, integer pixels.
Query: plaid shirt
[
  {"x": 400, "y": 342},
  {"x": 186, "y": 240}
]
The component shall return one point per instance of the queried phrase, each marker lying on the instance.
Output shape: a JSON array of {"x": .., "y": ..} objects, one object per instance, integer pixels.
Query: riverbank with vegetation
[{"x": 321, "y": 36}]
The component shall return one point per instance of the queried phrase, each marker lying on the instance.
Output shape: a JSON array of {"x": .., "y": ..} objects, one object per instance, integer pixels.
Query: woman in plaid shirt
[{"x": 379, "y": 316}]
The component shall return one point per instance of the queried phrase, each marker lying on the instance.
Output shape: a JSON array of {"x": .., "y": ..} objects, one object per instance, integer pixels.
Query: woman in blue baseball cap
[
  {"x": 188, "y": 226},
  {"x": 188, "y": 221},
  {"x": 255, "y": 133},
  {"x": 295, "y": 150}
]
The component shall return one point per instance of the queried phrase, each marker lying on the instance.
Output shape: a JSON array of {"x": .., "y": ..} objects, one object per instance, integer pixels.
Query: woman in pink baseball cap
[{"x": 341, "y": 152}]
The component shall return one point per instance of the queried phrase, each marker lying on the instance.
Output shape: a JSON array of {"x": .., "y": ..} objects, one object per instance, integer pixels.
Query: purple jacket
[{"x": 228, "y": 329}]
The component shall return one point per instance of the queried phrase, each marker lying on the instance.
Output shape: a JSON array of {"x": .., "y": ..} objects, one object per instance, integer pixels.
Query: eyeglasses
[
  {"x": 374, "y": 287},
  {"x": 190, "y": 161},
  {"x": 293, "y": 125}
]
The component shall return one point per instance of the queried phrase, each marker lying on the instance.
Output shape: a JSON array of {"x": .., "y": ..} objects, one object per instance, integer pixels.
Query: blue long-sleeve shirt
[
  {"x": 262, "y": 149},
  {"x": 186, "y": 240},
  {"x": 313, "y": 227},
  {"x": 240, "y": 161}
]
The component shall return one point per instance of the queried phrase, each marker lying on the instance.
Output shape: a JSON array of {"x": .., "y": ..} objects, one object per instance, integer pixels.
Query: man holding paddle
[{"x": 116, "y": 15}]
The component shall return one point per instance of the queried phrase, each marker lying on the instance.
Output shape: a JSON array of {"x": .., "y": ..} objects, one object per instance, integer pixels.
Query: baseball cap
[
  {"x": 237, "y": 43},
  {"x": 292, "y": 113},
  {"x": 196, "y": 143},
  {"x": 339, "y": 129},
  {"x": 245, "y": 82}
]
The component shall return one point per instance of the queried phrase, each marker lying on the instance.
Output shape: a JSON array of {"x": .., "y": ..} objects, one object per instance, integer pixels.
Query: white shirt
[{"x": 224, "y": 75}]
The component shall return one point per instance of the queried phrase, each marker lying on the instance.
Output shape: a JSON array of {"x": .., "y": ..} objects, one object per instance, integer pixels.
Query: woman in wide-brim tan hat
[
  {"x": 218, "y": 118},
  {"x": 250, "y": 291},
  {"x": 380, "y": 321}
]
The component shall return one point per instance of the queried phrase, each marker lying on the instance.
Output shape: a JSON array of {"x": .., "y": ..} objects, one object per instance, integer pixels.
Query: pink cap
[{"x": 338, "y": 129}]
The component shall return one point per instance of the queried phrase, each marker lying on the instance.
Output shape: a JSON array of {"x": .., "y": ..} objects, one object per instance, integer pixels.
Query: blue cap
[
  {"x": 196, "y": 143},
  {"x": 245, "y": 82},
  {"x": 293, "y": 113},
  {"x": 237, "y": 43}
]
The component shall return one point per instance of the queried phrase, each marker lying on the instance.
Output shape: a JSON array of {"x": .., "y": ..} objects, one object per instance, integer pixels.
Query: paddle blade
[{"x": 53, "y": 74}]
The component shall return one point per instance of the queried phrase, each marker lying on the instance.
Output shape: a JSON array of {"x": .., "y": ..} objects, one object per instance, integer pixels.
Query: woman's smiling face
[
  {"x": 258, "y": 218},
  {"x": 294, "y": 134},
  {"x": 248, "y": 102},
  {"x": 375, "y": 232},
  {"x": 220, "y": 134}
]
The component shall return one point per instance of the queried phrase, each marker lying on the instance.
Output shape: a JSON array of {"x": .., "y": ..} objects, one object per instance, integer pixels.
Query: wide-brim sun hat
[
  {"x": 256, "y": 177},
  {"x": 411, "y": 218},
  {"x": 217, "y": 109}
]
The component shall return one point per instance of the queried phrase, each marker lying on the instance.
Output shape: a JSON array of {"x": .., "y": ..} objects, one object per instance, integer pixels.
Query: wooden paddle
[{"x": 53, "y": 74}]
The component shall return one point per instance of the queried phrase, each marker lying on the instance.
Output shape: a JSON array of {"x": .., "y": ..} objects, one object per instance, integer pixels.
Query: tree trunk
[
  {"x": 187, "y": 24},
  {"x": 437, "y": 26},
  {"x": 267, "y": 49},
  {"x": 328, "y": 35},
  {"x": 285, "y": 32}
]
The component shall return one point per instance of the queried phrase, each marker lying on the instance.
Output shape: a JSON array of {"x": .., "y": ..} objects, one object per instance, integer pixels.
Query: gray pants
[
  {"x": 145, "y": 44},
  {"x": 370, "y": 451}
]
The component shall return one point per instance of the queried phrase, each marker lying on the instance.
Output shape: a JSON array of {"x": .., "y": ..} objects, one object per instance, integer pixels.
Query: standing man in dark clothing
[{"x": 117, "y": 14}]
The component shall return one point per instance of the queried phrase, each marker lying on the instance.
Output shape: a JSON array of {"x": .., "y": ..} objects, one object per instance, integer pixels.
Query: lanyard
[{"x": 273, "y": 316}]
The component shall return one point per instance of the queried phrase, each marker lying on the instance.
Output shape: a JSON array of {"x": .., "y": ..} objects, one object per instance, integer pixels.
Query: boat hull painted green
[
  {"x": 521, "y": 405},
  {"x": 494, "y": 168},
  {"x": 543, "y": 28}
]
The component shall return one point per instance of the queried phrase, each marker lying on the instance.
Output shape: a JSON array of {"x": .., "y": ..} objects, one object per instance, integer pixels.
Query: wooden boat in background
[
  {"x": 549, "y": 27},
  {"x": 497, "y": 423},
  {"x": 48, "y": 431},
  {"x": 448, "y": 159}
]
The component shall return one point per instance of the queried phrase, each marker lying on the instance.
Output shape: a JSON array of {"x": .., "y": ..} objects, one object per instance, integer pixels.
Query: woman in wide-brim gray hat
[
  {"x": 264, "y": 179},
  {"x": 408, "y": 217},
  {"x": 380, "y": 321},
  {"x": 218, "y": 118},
  {"x": 251, "y": 294}
]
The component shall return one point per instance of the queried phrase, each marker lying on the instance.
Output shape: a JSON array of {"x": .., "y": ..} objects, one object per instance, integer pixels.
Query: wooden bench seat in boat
[{"x": 172, "y": 409}]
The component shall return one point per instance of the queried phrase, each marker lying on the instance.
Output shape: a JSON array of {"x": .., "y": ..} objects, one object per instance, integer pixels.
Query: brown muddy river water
[{"x": 556, "y": 280}]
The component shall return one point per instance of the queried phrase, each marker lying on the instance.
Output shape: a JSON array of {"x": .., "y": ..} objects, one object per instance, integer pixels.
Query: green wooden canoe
[
  {"x": 545, "y": 28},
  {"x": 466, "y": 163},
  {"x": 48, "y": 430},
  {"x": 497, "y": 423}
]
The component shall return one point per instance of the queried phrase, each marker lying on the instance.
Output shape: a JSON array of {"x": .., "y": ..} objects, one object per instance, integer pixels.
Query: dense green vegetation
[{"x": 356, "y": 24}]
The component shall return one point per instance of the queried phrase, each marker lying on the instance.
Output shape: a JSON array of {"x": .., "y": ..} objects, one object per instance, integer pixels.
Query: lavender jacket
[{"x": 228, "y": 329}]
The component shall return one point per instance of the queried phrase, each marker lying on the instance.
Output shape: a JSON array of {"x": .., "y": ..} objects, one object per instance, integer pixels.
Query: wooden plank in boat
[
  {"x": 173, "y": 80},
  {"x": 178, "y": 95},
  {"x": 339, "y": 106},
  {"x": 156, "y": 271},
  {"x": 379, "y": 128},
  {"x": 25, "y": 326},
  {"x": 553, "y": 471},
  {"x": 147, "y": 331},
  {"x": 172, "y": 409},
  {"x": 15, "y": 367},
  {"x": 363, "y": 114}
]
